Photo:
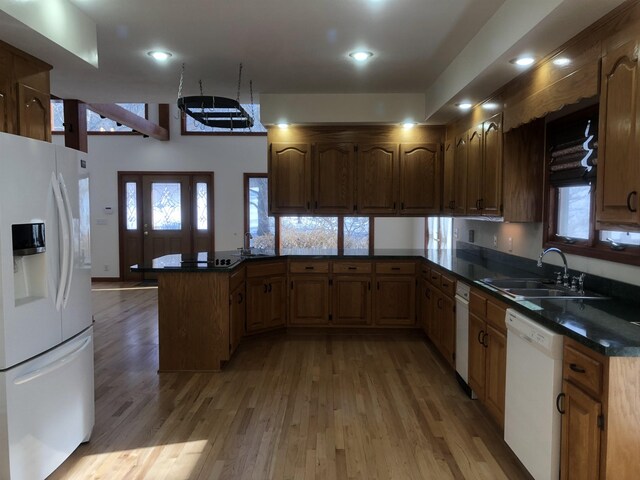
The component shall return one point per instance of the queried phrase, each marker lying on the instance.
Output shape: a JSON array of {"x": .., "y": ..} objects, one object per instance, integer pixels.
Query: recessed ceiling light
[
  {"x": 523, "y": 61},
  {"x": 464, "y": 105},
  {"x": 561, "y": 61},
  {"x": 159, "y": 55},
  {"x": 490, "y": 106},
  {"x": 408, "y": 125},
  {"x": 361, "y": 56},
  {"x": 283, "y": 125}
]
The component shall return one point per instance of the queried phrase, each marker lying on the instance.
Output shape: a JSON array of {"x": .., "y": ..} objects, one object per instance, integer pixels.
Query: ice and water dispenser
[{"x": 29, "y": 262}]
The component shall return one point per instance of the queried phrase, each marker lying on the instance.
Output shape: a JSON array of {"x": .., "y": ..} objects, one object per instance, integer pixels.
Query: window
[
  {"x": 95, "y": 123},
  {"x": 290, "y": 233},
  {"x": 438, "y": 233},
  {"x": 571, "y": 189},
  {"x": 191, "y": 126}
]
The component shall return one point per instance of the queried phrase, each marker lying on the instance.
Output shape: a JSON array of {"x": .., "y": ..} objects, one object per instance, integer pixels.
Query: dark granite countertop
[{"x": 603, "y": 325}]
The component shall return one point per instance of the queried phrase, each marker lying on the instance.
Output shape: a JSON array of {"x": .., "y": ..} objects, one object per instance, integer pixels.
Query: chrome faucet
[
  {"x": 565, "y": 276},
  {"x": 247, "y": 243}
]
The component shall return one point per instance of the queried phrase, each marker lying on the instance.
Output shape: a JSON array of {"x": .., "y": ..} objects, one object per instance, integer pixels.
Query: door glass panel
[
  {"x": 131, "y": 190},
  {"x": 261, "y": 226},
  {"x": 166, "y": 211},
  {"x": 356, "y": 233},
  {"x": 202, "y": 205}
]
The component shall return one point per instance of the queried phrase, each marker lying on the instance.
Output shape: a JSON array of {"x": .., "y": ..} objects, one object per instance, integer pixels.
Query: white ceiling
[{"x": 286, "y": 46}]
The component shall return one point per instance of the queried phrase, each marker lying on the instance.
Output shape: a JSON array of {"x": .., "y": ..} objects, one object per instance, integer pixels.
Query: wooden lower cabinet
[
  {"x": 580, "y": 435},
  {"x": 266, "y": 303},
  {"x": 395, "y": 300},
  {"x": 437, "y": 311},
  {"x": 309, "y": 300},
  {"x": 488, "y": 353},
  {"x": 238, "y": 315},
  {"x": 444, "y": 311},
  {"x": 351, "y": 300}
]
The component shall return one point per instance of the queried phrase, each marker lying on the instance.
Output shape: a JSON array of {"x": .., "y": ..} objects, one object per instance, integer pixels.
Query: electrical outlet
[
  {"x": 106, "y": 268},
  {"x": 495, "y": 240},
  {"x": 510, "y": 242}
]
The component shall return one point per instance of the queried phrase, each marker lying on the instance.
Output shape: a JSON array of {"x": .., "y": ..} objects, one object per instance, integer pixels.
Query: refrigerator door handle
[
  {"x": 64, "y": 225},
  {"x": 69, "y": 212},
  {"x": 39, "y": 372}
]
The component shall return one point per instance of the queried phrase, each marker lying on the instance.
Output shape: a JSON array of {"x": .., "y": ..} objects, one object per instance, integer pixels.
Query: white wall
[
  {"x": 228, "y": 157},
  {"x": 527, "y": 242}
]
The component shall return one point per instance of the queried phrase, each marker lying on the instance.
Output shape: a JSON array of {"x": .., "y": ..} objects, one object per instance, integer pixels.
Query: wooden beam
[
  {"x": 163, "y": 116},
  {"x": 125, "y": 117},
  {"x": 75, "y": 125}
]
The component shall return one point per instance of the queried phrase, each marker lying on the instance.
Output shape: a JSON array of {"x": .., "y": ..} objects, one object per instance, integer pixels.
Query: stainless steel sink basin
[{"x": 529, "y": 288}]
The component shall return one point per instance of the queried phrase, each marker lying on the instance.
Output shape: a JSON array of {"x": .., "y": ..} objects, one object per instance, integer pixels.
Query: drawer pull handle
[
  {"x": 352, "y": 268},
  {"x": 395, "y": 268},
  {"x": 576, "y": 368},
  {"x": 445, "y": 285},
  {"x": 481, "y": 337},
  {"x": 631, "y": 194},
  {"x": 240, "y": 298},
  {"x": 309, "y": 268},
  {"x": 559, "y": 400}
]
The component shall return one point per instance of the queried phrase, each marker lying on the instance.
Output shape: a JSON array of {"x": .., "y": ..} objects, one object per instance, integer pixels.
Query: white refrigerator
[{"x": 46, "y": 333}]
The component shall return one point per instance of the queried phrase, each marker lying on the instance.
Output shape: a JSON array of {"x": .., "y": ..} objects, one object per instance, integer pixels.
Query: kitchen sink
[{"x": 529, "y": 288}]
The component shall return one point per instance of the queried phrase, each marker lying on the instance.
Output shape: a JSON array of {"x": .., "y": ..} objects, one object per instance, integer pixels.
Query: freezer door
[
  {"x": 73, "y": 176},
  {"x": 47, "y": 407},
  {"x": 29, "y": 321}
]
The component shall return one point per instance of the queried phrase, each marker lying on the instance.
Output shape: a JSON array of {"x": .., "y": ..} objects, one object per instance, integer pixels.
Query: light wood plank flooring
[{"x": 286, "y": 407}]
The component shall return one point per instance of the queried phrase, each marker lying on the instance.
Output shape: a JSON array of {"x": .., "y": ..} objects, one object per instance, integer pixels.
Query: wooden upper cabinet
[
  {"x": 5, "y": 92},
  {"x": 377, "y": 167},
  {"x": 448, "y": 182},
  {"x": 334, "y": 178},
  {"x": 459, "y": 206},
  {"x": 420, "y": 179},
  {"x": 474, "y": 171},
  {"x": 34, "y": 113},
  {"x": 289, "y": 178},
  {"x": 491, "y": 198},
  {"x": 619, "y": 143}
]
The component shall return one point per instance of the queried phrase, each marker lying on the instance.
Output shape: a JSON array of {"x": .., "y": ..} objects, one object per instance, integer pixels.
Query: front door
[{"x": 163, "y": 213}]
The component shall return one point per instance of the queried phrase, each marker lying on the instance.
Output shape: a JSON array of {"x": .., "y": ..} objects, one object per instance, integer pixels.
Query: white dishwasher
[{"x": 534, "y": 380}]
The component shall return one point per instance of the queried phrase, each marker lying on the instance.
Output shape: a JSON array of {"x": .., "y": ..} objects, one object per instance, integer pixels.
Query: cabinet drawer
[
  {"x": 351, "y": 267},
  {"x": 266, "y": 269},
  {"x": 447, "y": 285},
  {"x": 477, "y": 304},
  {"x": 313, "y": 266},
  {"x": 434, "y": 278},
  {"x": 583, "y": 370},
  {"x": 496, "y": 313},
  {"x": 392, "y": 268},
  {"x": 425, "y": 271},
  {"x": 236, "y": 278}
]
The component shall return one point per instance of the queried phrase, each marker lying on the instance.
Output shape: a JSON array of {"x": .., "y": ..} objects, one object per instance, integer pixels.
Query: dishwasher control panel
[{"x": 531, "y": 331}]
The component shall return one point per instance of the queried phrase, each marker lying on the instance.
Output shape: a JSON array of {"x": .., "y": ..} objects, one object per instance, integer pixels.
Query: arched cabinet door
[
  {"x": 618, "y": 183},
  {"x": 420, "y": 179},
  {"x": 377, "y": 178},
  {"x": 459, "y": 206},
  {"x": 334, "y": 178},
  {"x": 474, "y": 171},
  {"x": 491, "y": 196},
  {"x": 34, "y": 113},
  {"x": 289, "y": 178}
]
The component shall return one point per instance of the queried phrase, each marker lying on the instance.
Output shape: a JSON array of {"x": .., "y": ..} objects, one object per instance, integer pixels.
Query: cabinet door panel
[
  {"x": 477, "y": 330},
  {"x": 580, "y": 457},
  {"x": 496, "y": 368},
  {"x": 377, "y": 178},
  {"x": 309, "y": 300},
  {"x": 618, "y": 166},
  {"x": 289, "y": 178},
  {"x": 395, "y": 300},
  {"x": 460, "y": 176},
  {"x": 277, "y": 302},
  {"x": 420, "y": 179},
  {"x": 34, "y": 113},
  {"x": 448, "y": 185},
  {"x": 333, "y": 178},
  {"x": 474, "y": 171},
  {"x": 256, "y": 304},
  {"x": 351, "y": 300},
  {"x": 237, "y": 319},
  {"x": 492, "y": 167}
]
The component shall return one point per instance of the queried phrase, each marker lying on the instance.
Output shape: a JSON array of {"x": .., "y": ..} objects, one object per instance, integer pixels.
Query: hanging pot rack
[{"x": 217, "y": 112}]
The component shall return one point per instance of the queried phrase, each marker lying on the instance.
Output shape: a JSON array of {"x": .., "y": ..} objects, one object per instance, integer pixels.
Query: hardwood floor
[{"x": 286, "y": 406}]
